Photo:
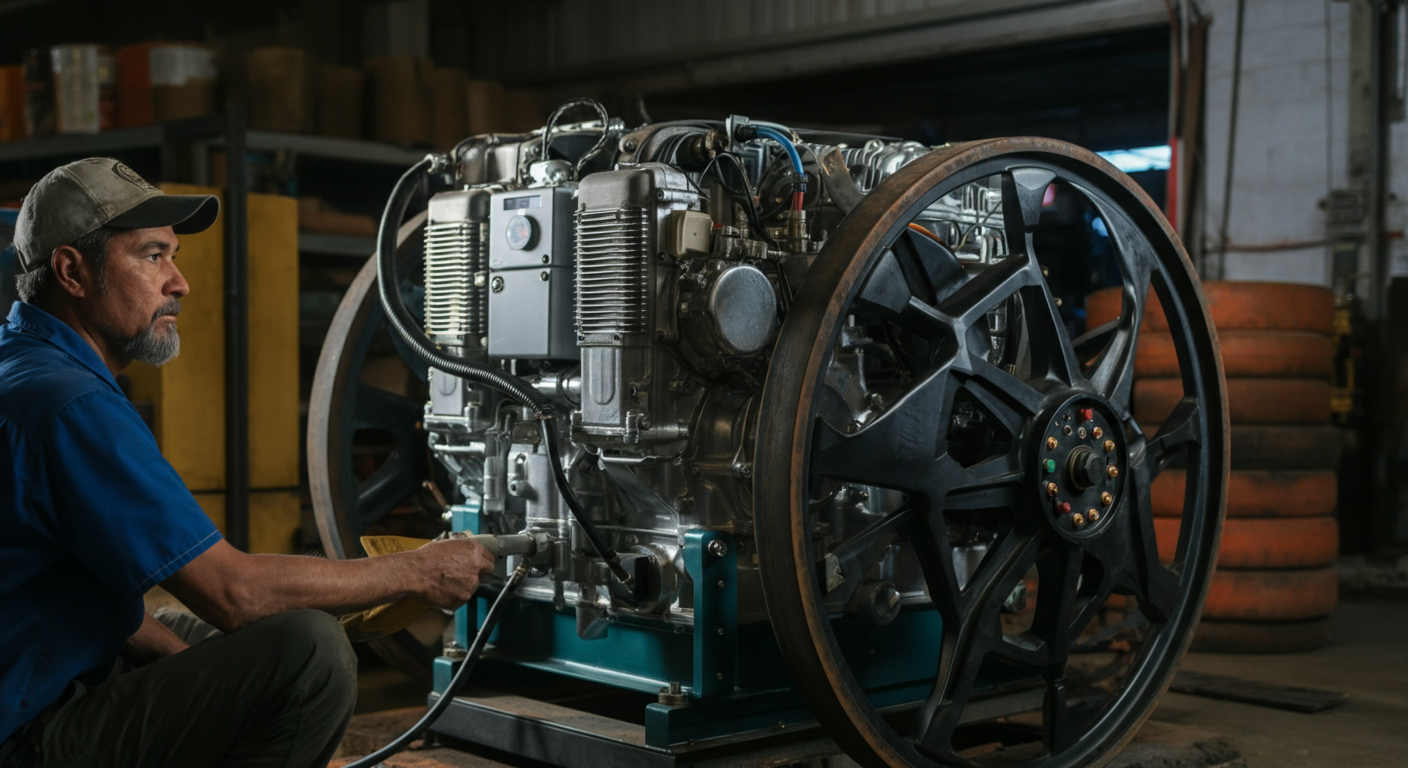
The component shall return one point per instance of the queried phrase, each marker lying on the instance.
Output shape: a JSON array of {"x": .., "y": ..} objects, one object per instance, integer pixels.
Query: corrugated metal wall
[{"x": 651, "y": 45}]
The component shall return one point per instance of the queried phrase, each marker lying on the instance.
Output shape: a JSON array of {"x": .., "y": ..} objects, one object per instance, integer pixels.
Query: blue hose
[{"x": 777, "y": 136}]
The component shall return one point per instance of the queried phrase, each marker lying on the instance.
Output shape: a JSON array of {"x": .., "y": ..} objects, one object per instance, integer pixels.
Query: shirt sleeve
[{"x": 116, "y": 503}]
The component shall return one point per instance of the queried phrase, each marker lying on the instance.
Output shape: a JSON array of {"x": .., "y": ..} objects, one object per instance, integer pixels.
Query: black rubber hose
[
  {"x": 491, "y": 619},
  {"x": 405, "y": 326}
]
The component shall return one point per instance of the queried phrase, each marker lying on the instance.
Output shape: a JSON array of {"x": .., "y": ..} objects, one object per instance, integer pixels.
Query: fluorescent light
[{"x": 1141, "y": 159}]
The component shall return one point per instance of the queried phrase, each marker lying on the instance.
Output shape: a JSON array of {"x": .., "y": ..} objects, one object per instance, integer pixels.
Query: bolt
[
  {"x": 1051, "y": 489},
  {"x": 629, "y": 145},
  {"x": 1051, "y": 443},
  {"x": 719, "y": 630},
  {"x": 717, "y": 548},
  {"x": 1049, "y": 465},
  {"x": 1081, "y": 432},
  {"x": 1094, "y": 515},
  {"x": 546, "y": 258},
  {"x": 1113, "y": 471},
  {"x": 1106, "y": 498},
  {"x": 1078, "y": 519},
  {"x": 746, "y": 469},
  {"x": 1098, "y": 432},
  {"x": 721, "y": 583},
  {"x": 497, "y": 284},
  {"x": 718, "y": 675},
  {"x": 543, "y": 276},
  {"x": 1109, "y": 445}
]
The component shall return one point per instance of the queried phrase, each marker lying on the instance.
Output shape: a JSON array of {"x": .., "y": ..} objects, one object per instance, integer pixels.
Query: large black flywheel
[
  {"x": 367, "y": 456},
  {"x": 983, "y": 420}
]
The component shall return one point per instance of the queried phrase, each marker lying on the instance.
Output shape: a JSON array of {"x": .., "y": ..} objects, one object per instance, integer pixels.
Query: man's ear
[{"x": 70, "y": 271}]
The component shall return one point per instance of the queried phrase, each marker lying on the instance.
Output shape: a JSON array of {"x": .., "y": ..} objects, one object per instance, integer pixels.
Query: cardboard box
[
  {"x": 486, "y": 107},
  {"x": 400, "y": 99},
  {"x": 341, "y": 102},
  {"x": 448, "y": 117},
  {"x": 281, "y": 90},
  {"x": 76, "y": 88},
  {"x": 12, "y": 103}
]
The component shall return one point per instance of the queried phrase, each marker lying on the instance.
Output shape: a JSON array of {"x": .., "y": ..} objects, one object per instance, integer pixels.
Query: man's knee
[{"x": 314, "y": 646}]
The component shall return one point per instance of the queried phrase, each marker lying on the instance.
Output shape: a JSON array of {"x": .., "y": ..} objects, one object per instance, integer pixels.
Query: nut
[
  {"x": 1094, "y": 515},
  {"x": 1112, "y": 471},
  {"x": 1078, "y": 519},
  {"x": 1051, "y": 443},
  {"x": 1106, "y": 498},
  {"x": 1098, "y": 432},
  {"x": 1051, "y": 489},
  {"x": 1109, "y": 445}
]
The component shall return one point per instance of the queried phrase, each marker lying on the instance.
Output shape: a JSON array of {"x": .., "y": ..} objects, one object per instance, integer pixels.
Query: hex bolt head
[
  {"x": 1051, "y": 443},
  {"x": 1078, "y": 519},
  {"x": 1106, "y": 498},
  {"x": 717, "y": 548},
  {"x": 1094, "y": 515},
  {"x": 1109, "y": 446},
  {"x": 1051, "y": 489},
  {"x": 1112, "y": 471}
]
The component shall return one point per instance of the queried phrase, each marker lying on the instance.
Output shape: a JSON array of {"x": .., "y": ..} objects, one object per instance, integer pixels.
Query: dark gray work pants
[{"x": 277, "y": 693}]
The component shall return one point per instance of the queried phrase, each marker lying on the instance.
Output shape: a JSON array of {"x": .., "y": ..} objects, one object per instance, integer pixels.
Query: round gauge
[{"x": 521, "y": 232}]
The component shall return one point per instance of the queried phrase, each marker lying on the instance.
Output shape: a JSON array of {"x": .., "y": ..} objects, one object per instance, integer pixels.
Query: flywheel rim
[{"x": 787, "y": 556}]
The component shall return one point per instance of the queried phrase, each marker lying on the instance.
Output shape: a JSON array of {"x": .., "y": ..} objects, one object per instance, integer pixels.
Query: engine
[{"x": 638, "y": 279}]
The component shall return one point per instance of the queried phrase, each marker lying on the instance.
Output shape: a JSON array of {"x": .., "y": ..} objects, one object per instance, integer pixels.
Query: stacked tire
[{"x": 1275, "y": 583}]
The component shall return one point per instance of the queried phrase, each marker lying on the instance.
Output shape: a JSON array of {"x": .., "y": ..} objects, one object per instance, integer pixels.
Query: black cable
[
  {"x": 743, "y": 196},
  {"x": 405, "y": 326},
  {"x": 596, "y": 148},
  {"x": 457, "y": 683}
]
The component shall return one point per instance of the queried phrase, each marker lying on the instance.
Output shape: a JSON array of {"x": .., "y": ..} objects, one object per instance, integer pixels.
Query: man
[{"x": 92, "y": 517}]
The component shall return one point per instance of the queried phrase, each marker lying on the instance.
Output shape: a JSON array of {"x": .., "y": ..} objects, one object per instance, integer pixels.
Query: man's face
[{"x": 135, "y": 309}]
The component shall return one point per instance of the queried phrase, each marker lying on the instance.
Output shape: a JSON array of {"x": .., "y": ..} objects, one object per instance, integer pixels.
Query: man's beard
[{"x": 152, "y": 347}]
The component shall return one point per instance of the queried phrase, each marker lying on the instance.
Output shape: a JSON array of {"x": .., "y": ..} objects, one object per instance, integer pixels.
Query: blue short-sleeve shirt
[{"x": 91, "y": 515}]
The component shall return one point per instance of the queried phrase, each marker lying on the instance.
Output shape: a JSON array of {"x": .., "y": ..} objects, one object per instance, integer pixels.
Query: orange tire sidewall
[
  {"x": 1263, "y": 542},
  {"x": 1281, "y": 595}
]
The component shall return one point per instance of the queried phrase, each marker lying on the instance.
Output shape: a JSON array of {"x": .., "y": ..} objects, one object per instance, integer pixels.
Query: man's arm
[
  {"x": 153, "y": 640},
  {"x": 231, "y": 589}
]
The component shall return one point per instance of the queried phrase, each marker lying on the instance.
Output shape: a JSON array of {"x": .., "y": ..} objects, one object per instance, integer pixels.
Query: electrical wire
[
  {"x": 457, "y": 683},
  {"x": 405, "y": 326},
  {"x": 596, "y": 148}
]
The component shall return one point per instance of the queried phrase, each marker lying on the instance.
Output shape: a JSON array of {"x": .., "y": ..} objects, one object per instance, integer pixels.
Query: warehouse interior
[{"x": 935, "y": 382}]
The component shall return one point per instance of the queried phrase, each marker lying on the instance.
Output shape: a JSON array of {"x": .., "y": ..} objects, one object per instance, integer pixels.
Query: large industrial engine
[{"x": 768, "y": 400}]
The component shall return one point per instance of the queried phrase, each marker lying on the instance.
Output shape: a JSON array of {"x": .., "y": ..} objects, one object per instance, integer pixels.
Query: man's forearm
[
  {"x": 153, "y": 640},
  {"x": 231, "y": 589}
]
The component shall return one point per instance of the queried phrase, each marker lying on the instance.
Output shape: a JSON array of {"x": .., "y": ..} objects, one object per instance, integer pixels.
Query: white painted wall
[{"x": 1290, "y": 137}]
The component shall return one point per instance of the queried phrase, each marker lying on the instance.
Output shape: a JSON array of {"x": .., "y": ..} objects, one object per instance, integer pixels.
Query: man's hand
[
  {"x": 153, "y": 640},
  {"x": 451, "y": 570}
]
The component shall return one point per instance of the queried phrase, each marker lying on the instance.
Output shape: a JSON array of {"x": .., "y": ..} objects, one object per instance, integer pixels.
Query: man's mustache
[{"x": 172, "y": 307}]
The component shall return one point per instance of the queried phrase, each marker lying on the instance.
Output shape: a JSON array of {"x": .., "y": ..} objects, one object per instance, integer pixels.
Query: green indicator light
[{"x": 1050, "y": 465}]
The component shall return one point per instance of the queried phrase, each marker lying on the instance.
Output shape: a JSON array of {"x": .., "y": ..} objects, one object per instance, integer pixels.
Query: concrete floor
[{"x": 1367, "y": 659}]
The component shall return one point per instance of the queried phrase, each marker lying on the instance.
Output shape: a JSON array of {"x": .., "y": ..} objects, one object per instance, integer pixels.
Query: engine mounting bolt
[
  {"x": 1094, "y": 515},
  {"x": 717, "y": 547},
  {"x": 1109, "y": 446},
  {"x": 1113, "y": 471},
  {"x": 1098, "y": 432},
  {"x": 1051, "y": 443},
  {"x": 1049, "y": 465},
  {"x": 1078, "y": 519},
  {"x": 1106, "y": 498},
  {"x": 1051, "y": 489}
]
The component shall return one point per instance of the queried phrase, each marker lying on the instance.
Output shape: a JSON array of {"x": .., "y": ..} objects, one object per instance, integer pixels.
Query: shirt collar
[{"x": 33, "y": 320}]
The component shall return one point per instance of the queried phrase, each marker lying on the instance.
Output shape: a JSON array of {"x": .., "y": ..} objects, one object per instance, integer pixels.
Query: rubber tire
[
  {"x": 1257, "y": 493},
  {"x": 1215, "y": 636},
  {"x": 1260, "y": 446},
  {"x": 1281, "y": 595},
  {"x": 1235, "y": 305},
  {"x": 1247, "y": 353},
  {"x": 1249, "y": 401},
  {"x": 1264, "y": 542}
]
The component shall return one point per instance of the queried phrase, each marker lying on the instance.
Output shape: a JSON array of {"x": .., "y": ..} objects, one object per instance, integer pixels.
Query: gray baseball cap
[{"x": 75, "y": 199}]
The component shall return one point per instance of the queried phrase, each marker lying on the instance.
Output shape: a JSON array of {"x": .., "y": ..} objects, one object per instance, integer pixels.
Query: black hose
[
  {"x": 405, "y": 326},
  {"x": 457, "y": 683}
]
